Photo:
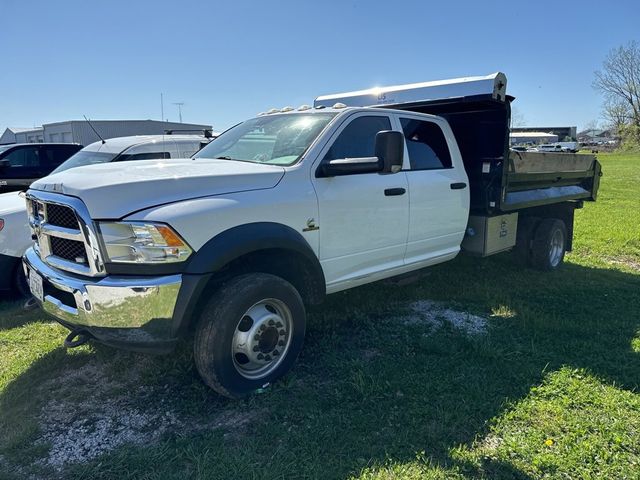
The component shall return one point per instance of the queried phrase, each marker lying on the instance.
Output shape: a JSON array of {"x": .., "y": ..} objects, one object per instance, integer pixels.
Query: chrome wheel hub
[
  {"x": 556, "y": 248},
  {"x": 262, "y": 338}
]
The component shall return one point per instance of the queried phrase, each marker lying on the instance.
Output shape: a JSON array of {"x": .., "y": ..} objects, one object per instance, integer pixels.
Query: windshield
[
  {"x": 274, "y": 140},
  {"x": 84, "y": 157},
  {"x": 5, "y": 147}
]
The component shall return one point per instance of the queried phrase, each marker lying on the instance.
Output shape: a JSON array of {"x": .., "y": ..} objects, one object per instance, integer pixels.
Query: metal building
[
  {"x": 79, "y": 131},
  {"x": 565, "y": 134},
  {"x": 22, "y": 135}
]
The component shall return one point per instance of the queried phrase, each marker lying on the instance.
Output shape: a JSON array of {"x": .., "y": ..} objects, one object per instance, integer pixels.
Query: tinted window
[
  {"x": 358, "y": 139},
  {"x": 426, "y": 145},
  {"x": 23, "y": 157},
  {"x": 126, "y": 157}
]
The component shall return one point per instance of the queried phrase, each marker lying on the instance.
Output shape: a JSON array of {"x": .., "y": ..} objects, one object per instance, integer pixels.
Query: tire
[
  {"x": 522, "y": 249},
  {"x": 249, "y": 334},
  {"x": 549, "y": 244},
  {"x": 20, "y": 282}
]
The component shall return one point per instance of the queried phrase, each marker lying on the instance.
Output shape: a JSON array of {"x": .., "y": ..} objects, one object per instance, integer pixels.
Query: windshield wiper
[{"x": 224, "y": 157}]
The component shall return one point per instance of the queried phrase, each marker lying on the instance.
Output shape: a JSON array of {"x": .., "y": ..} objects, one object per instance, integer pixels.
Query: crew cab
[
  {"x": 282, "y": 209},
  {"x": 15, "y": 235},
  {"x": 23, "y": 163}
]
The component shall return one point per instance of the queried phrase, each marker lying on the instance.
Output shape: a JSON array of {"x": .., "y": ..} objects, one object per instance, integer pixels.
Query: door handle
[
  {"x": 393, "y": 192},
  {"x": 458, "y": 186}
]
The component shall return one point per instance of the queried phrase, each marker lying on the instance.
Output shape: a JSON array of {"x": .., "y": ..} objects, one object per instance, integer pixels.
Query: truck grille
[
  {"x": 65, "y": 234},
  {"x": 71, "y": 250},
  {"x": 61, "y": 216}
]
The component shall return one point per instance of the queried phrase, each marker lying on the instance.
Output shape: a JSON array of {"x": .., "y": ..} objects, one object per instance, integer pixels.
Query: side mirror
[
  {"x": 348, "y": 166},
  {"x": 4, "y": 164},
  {"x": 390, "y": 150}
]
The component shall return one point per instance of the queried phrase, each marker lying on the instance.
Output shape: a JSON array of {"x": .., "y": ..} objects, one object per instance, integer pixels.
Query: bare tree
[
  {"x": 517, "y": 118},
  {"x": 616, "y": 112},
  {"x": 619, "y": 79}
]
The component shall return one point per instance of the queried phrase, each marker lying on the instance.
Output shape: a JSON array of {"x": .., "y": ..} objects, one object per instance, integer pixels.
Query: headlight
[{"x": 142, "y": 242}]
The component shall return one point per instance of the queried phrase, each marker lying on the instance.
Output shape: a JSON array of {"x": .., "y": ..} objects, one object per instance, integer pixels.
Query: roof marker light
[
  {"x": 304, "y": 107},
  {"x": 320, "y": 107},
  {"x": 272, "y": 110},
  {"x": 339, "y": 105},
  {"x": 286, "y": 109}
]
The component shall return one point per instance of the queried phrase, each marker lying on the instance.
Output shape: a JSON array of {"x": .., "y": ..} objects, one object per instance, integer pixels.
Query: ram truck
[{"x": 230, "y": 247}]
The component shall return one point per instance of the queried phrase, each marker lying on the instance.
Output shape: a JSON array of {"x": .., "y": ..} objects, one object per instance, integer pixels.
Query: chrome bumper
[{"x": 127, "y": 312}]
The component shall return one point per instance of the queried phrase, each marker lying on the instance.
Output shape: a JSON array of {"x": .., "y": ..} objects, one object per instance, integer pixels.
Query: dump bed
[
  {"x": 532, "y": 179},
  {"x": 479, "y": 113}
]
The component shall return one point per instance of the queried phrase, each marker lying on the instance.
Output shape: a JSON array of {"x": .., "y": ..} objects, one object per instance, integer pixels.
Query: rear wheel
[
  {"x": 549, "y": 244},
  {"x": 249, "y": 334}
]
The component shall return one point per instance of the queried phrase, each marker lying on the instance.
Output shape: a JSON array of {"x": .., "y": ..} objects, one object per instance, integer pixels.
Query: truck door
[
  {"x": 20, "y": 167},
  {"x": 363, "y": 217},
  {"x": 438, "y": 190}
]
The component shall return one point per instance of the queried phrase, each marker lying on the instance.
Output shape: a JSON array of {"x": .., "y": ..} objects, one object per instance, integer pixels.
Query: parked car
[
  {"x": 23, "y": 163},
  {"x": 15, "y": 236},
  {"x": 287, "y": 207}
]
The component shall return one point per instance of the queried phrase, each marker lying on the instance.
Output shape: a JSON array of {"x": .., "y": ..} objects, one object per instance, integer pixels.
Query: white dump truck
[{"x": 232, "y": 245}]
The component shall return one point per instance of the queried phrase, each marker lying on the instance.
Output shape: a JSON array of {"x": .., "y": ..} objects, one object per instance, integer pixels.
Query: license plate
[{"x": 35, "y": 285}]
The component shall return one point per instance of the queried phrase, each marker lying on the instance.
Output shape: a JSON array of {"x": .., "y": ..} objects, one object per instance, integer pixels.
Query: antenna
[
  {"x": 179, "y": 104},
  {"x": 94, "y": 130},
  {"x": 161, "y": 107}
]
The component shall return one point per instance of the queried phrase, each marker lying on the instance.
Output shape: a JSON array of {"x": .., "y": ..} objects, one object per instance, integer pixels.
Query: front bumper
[{"x": 135, "y": 313}]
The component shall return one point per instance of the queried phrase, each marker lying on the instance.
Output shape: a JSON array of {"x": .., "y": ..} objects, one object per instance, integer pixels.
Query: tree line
[{"x": 619, "y": 82}]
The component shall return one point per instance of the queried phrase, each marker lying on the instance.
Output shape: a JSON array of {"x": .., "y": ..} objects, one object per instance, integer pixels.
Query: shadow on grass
[
  {"x": 369, "y": 390},
  {"x": 13, "y": 315}
]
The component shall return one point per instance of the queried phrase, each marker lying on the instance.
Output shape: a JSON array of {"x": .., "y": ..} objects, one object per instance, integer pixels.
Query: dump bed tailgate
[{"x": 532, "y": 179}]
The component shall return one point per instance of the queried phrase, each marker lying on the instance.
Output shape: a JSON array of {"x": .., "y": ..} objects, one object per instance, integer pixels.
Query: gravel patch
[
  {"x": 111, "y": 413},
  {"x": 436, "y": 315}
]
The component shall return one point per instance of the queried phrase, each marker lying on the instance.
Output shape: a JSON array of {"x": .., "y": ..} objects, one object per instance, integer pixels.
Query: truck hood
[{"x": 114, "y": 190}]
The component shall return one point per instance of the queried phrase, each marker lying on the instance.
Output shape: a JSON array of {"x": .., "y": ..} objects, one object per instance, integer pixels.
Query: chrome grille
[
  {"x": 71, "y": 250},
  {"x": 61, "y": 216},
  {"x": 65, "y": 234}
]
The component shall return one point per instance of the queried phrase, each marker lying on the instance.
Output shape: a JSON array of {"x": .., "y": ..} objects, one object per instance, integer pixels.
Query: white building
[
  {"x": 22, "y": 135},
  {"x": 536, "y": 138},
  {"x": 79, "y": 131}
]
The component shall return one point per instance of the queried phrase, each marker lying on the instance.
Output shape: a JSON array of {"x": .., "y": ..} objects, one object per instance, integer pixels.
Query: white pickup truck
[{"x": 287, "y": 207}]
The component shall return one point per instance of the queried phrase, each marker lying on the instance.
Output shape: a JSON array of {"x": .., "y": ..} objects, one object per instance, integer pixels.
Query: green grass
[{"x": 548, "y": 392}]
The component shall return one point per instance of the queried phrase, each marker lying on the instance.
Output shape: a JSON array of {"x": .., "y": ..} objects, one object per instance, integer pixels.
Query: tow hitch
[{"x": 76, "y": 338}]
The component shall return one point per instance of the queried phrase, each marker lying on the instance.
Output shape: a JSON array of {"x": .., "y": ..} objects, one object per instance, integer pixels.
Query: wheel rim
[
  {"x": 556, "y": 248},
  {"x": 262, "y": 338}
]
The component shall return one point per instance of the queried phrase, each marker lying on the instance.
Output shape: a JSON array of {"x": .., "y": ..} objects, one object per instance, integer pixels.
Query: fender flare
[
  {"x": 244, "y": 239},
  {"x": 233, "y": 244}
]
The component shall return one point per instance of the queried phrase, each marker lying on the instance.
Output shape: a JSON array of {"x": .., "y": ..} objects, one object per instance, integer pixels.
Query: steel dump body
[{"x": 479, "y": 113}]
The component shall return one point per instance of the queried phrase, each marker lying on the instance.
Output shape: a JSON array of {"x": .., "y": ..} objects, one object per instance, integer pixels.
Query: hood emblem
[{"x": 53, "y": 187}]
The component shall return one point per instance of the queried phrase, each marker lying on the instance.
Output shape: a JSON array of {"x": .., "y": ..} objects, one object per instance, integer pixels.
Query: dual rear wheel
[{"x": 542, "y": 244}]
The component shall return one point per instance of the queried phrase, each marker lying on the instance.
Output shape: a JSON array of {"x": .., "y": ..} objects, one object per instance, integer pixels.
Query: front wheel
[{"x": 249, "y": 334}]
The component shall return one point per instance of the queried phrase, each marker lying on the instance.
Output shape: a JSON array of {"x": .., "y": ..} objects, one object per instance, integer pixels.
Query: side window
[
  {"x": 189, "y": 148},
  {"x": 126, "y": 157},
  {"x": 358, "y": 139},
  {"x": 426, "y": 145},
  {"x": 51, "y": 157},
  {"x": 149, "y": 151},
  {"x": 23, "y": 157}
]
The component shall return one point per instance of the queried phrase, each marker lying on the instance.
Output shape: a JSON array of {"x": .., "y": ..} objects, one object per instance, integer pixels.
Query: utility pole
[{"x": 179, "y": 104}]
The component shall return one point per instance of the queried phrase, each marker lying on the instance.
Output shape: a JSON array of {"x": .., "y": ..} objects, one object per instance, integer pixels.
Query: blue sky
[{"x": 230, "y": 60}]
